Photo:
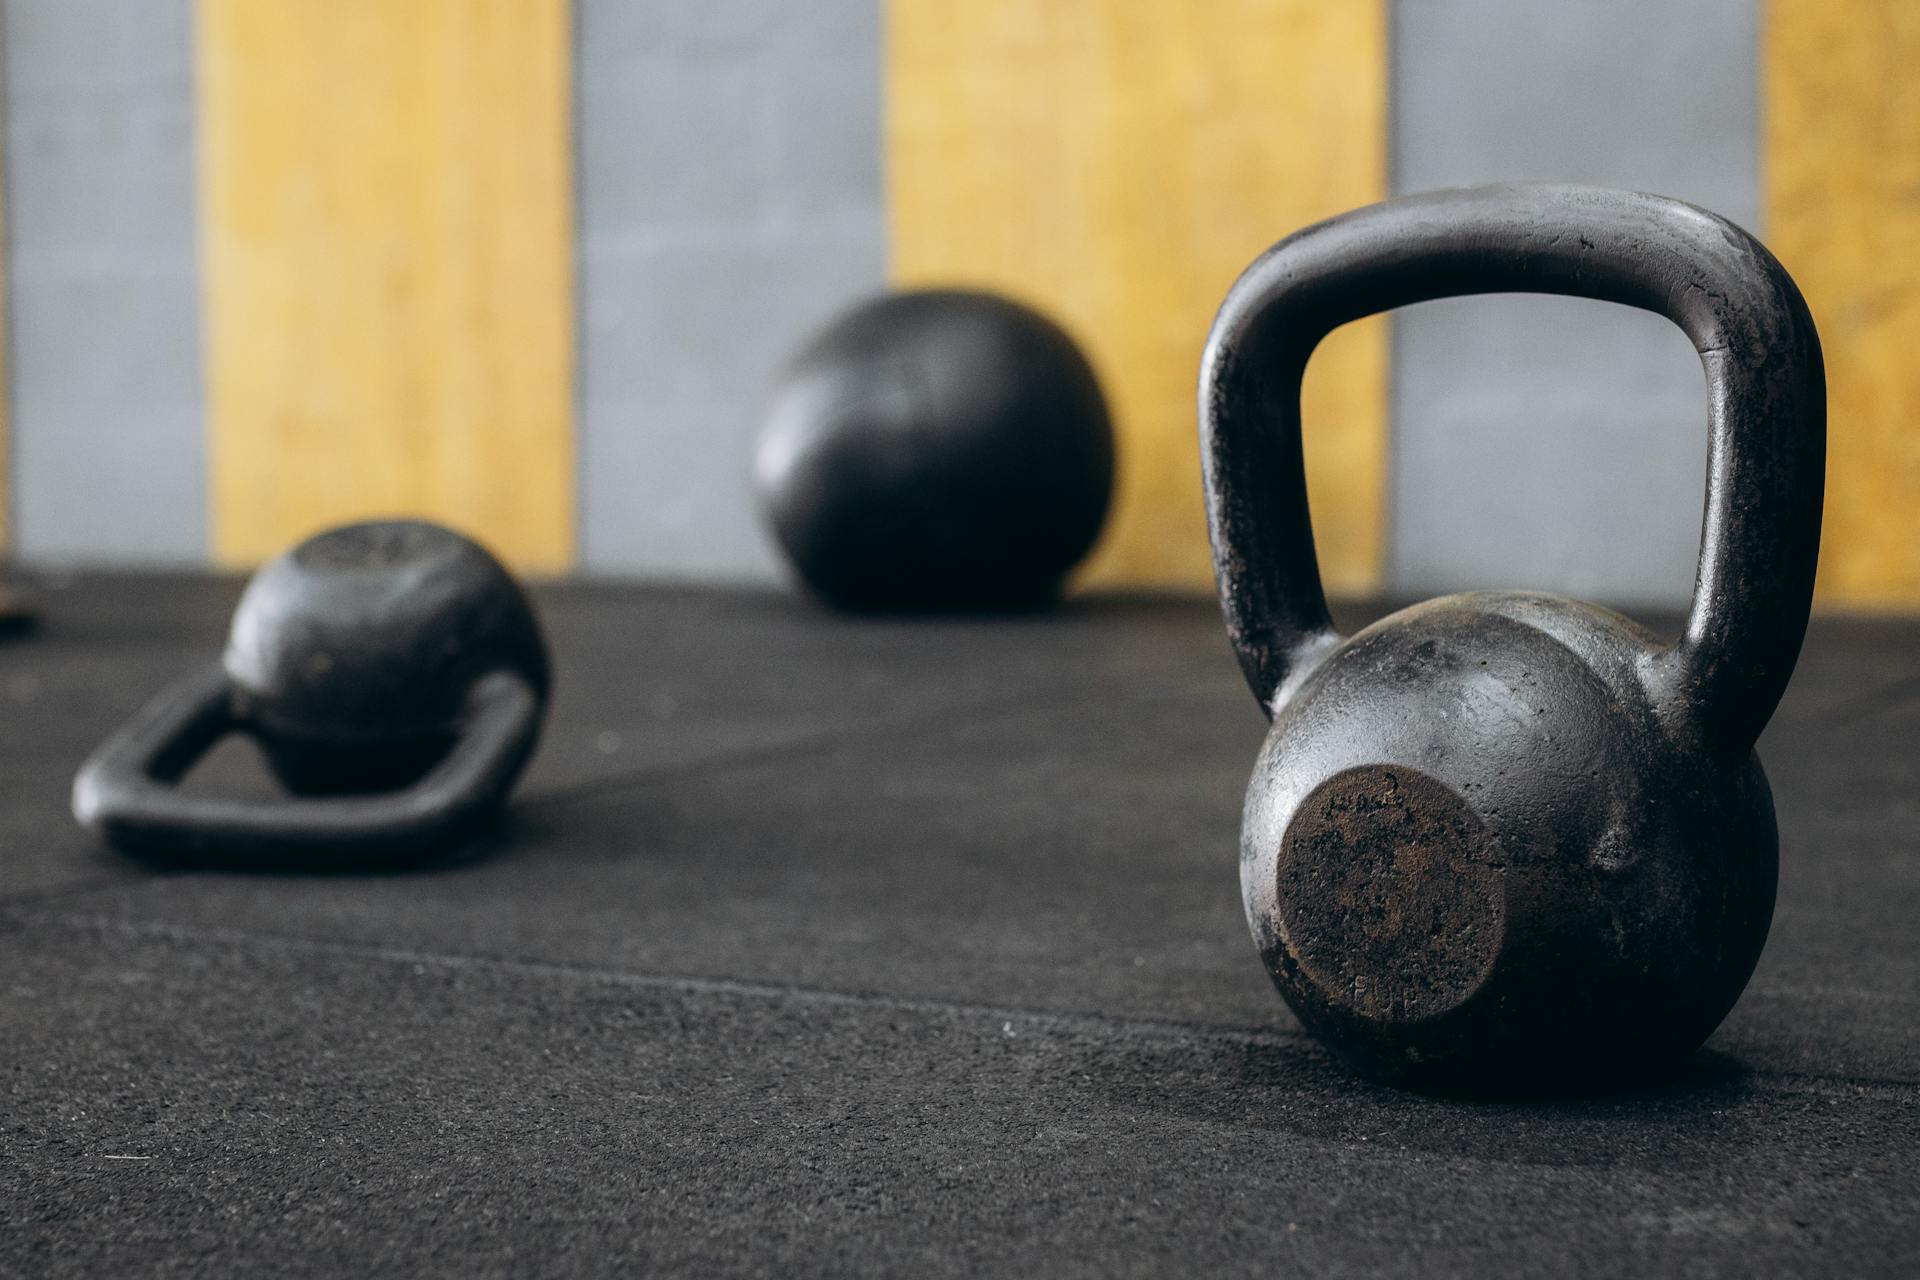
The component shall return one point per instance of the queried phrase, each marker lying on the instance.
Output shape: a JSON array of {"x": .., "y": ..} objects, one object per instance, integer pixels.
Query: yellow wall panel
[
  {"x": 1842, "y": 164},
  {"x": 1118, "y": 164},
  {"x": 6, "y": 388},
  {"x": 386, "y": 202}
]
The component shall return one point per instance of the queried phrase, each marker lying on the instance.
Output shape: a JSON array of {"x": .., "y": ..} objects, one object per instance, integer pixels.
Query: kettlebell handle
[
  {"x": 126, "y": 791},
  {"x": 1766, "y": 414}
]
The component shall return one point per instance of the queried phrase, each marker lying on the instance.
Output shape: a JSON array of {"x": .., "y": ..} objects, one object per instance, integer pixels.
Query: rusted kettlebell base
[{"x": 1477, "y": 860}]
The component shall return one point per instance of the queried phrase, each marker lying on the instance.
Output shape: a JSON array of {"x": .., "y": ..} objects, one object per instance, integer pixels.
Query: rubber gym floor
[{"x": 817, "y": 946}]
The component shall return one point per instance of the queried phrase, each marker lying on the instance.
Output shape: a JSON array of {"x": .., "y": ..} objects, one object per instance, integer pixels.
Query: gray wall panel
[
  {"x": 731, "y": 199},
  {"x": 109, "y": 460},
  {"x": 1548, "y": 442}
]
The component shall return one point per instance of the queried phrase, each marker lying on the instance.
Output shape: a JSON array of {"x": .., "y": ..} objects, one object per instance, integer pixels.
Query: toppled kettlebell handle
[
  {"x": 125, "y": 790},
  {"x": 1753, "y": 588}
]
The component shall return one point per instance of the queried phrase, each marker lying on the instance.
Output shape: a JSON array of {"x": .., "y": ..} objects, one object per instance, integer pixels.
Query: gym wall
[{"x": 528, "y": 266}]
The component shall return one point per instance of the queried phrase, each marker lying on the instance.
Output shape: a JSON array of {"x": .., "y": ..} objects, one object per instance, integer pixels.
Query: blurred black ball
[{"x": 942, "y": 450}]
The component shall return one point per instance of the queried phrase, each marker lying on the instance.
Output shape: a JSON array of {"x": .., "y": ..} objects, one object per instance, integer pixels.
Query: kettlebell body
[
  {"x": 1475, "y": 854},
  {"x": 350, "y": 657},
  {"x": 936, "y": 451},
  {"x": 394, "y": 677},
  {"x": 1507, "y": 842}
]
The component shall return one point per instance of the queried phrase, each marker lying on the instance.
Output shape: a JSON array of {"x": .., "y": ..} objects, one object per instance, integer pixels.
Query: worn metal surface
[
  {"x": 394, "y": 676},
  {"x": 1510, "y": 841}
]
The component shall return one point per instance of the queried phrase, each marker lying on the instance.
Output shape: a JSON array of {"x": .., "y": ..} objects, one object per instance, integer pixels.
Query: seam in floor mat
[
  {"x": 882, "y": 729},
  {"x": 52, "y": 892},
  {"x": 1159, "y": 1028}
]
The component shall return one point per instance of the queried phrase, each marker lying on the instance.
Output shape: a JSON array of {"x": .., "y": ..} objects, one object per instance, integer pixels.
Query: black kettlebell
[
  {"x": 941, "y": 450},
  {"x": 394, "y": 677},
  {"x": 1507, "y": 842}
]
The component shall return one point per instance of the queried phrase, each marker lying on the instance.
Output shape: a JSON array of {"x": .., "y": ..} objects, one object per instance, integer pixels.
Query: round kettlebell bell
[
  {"x": 942, "y": 450},
  {"x": 394, "y": 677},
  {"x": 1507, "y": 842}
]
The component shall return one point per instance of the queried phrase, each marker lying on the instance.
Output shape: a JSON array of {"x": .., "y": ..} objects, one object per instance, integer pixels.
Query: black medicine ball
[{"x": 941, "y": 450}]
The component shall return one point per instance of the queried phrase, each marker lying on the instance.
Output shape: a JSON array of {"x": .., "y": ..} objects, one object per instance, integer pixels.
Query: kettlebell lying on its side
[
  {"x": 1509, "y": 842},
  {"x": 394, "y": 676}
]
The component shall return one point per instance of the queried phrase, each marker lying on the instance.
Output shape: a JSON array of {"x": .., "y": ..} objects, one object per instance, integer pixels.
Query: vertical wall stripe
[
  {"x": 1843, "y": 214},
  {"x": 103, "y": 283},
  {"x": 1118, "y": 165},
  {"x": 386, "y": 196},
  {"x": 6, "y": 391},
  {"x": 1546, "y": 442},
  {"x": 729, "y": 202}
]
